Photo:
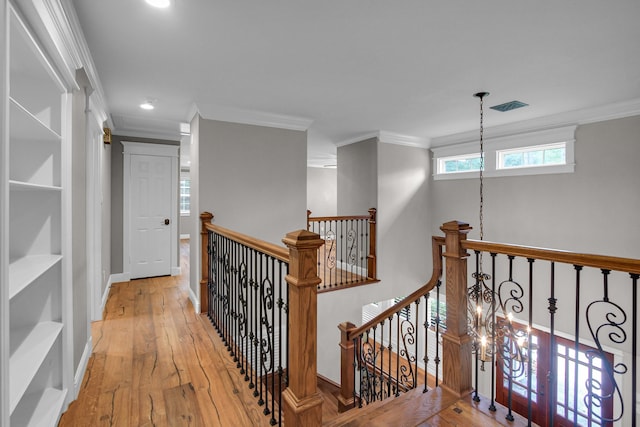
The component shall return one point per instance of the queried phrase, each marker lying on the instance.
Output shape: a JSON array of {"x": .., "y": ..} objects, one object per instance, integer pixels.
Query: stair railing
[
  {"x": 558, "y": 330},
  {"x": 389, "y": 354},
  {"x": 348, "y": 257},
  {"x": 256, "y": 293}
]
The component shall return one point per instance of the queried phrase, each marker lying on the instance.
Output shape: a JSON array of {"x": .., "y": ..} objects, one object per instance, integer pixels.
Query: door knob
[{"x": 166, "y": 221}]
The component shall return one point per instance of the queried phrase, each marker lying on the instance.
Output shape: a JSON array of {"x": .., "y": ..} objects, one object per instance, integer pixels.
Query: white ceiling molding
[
  {"x": 577, "y": 117},
  {"x": 359, "y": 138},
  {"x": 399, "y": 139},
  {"x": 250, "y": 117},
  {"x": 62, "y": 26},
  {"x": 146, "y": 128},
  {"x": 388, "y": 138}
]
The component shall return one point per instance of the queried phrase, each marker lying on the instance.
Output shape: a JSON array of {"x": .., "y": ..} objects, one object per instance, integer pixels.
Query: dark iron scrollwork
[
  {"x": 407, "y": 375},
  {"x": 330, "y": 250},
  {"x": 352, "y": 246},
  {"x": 605, "y": 321},
  {"x": 266, "y": 350}
]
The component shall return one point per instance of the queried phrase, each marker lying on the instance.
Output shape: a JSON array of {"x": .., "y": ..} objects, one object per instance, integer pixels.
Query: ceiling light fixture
[
  {"x": 147, "y": 105},
  {"x": 161, "y": 4}
]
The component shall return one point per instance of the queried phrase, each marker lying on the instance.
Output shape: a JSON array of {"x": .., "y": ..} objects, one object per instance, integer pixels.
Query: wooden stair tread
[
  {"x": 409, "y": 409},
  {"x": 437, "y": 407}
]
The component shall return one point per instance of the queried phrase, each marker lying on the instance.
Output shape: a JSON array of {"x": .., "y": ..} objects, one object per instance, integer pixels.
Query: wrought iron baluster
[
  {"x": 425, "y": 327},
  {"x": 492, "y": 404},
  {"x": 578, "y": 269},
  {"x": 260, "y": 291},
  {"x": 382, "y": 350},
  {"x": 397, "y": 354},
  {"x": 477, "y": 314},
  {"x": 416, "y": 344},
  {"x": 634, "y": 346},
  {"x": 359, "y": 355},
  {"x": 553, "y": 369},
  {"x": 389, "y": 376},
  {"x": 436, "y": 360},
  {"x": 530, "y": 345},
  {"x": 280, "y": 329}
]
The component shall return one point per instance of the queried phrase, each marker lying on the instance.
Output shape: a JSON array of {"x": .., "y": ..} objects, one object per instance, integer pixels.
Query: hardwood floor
[{"x": 157, "y": 363}]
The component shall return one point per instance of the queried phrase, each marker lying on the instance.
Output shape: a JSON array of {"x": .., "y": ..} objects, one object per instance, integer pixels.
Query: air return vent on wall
[{"x": 508, "y": 106}]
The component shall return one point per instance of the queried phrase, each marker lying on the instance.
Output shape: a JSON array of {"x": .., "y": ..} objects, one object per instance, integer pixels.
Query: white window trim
[{"x": 493, "y": 145}]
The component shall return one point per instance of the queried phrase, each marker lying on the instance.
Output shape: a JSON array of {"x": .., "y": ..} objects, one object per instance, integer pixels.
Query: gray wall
[
  {"x": 357, "y": 177},
  {"x": 322, "y": 187},
  {"x": 401, "y": 186},
  {"x": 117, "y": 160},
  {"x": 253, "y": 178},
  {"x": 79, "y": 226},
  {"x": 594, "y": 210}
]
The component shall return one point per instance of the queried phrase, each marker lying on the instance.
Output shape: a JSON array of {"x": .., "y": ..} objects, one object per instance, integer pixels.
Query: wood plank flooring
[{"x": 157, "y": 363}]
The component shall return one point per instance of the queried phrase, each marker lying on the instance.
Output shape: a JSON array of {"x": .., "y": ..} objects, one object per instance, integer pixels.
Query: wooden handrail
[
  {"x": 436, "y": 244},
  {"x": 626, "y": 265},
  {"x": 336, "y": 218},
  {"x": 279, "y": 252}
]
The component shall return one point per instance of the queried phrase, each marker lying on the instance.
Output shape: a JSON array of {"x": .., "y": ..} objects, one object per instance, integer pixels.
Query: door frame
[{"x": 149, "y": 149}]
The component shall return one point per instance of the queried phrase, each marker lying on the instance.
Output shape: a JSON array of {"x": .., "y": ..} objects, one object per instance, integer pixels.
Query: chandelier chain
[{"x": 481, "y": 168}]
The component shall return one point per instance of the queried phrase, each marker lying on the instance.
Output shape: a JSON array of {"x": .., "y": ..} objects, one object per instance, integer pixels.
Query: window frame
[
  {"x": 496, "y": 145},
  {"x": 184, "y": 177}
]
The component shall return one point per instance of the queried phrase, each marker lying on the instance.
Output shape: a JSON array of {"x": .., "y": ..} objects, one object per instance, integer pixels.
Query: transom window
[
  {"x": 533, "y": 153},
  {"x": 539, "y": 155}
]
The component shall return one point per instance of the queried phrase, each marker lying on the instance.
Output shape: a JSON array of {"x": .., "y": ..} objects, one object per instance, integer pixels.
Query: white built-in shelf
[
  {"x": 32, "y": 349},
  {"x": 24, "y": 271},
  {"x": 40, "y": 409},
  {"x": 28, "y": 186},
  {"x": 27, "y": 126}
]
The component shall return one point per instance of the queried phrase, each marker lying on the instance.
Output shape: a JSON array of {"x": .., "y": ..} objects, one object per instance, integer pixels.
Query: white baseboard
[
  {"x": 175, "y": 271},
  {"x": 195, "y": 301},
  {"x": 120, "y": 277},
  {"x": 82, "y": 367}
]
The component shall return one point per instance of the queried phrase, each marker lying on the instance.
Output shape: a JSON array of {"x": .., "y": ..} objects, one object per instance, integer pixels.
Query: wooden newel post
[
  {"x": 346, "y": 398},
  {"x": 205, "y": 218},
  {"x": 302, "y": 402},
  {"x": 371, "y": 258},
  {"x": 456, "y": 343}
]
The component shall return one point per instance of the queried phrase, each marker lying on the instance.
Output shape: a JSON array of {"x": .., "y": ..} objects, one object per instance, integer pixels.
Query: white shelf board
[
  {"x": 26, "y": 126},
  {"x": 40, "y": 409},
  {"x": 27, "y": 186},
  {"x": 24, "y": 271},
  {"x": 28, "y": 356}
]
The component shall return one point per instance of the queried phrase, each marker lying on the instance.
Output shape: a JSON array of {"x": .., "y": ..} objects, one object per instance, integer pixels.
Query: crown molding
[
  {"x": 613, "y": 111},
  {"x": 359, "y": 138},
  {"x": 63, "y": 29},
  {"x": 251, "y": 117},
  {"x": 388, "y": 138},
  {"x": 399, "y": 139}
]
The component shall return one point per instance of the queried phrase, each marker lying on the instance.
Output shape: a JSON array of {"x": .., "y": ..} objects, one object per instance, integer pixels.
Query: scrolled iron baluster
[
  {"x": 611, "y": 329},
  {"x": 407, "y": 377}
]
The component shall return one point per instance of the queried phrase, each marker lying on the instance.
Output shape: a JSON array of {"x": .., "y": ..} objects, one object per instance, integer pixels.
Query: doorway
[
  {"x": 575, "y": 366},
  {"x": 150, "y": 210}
]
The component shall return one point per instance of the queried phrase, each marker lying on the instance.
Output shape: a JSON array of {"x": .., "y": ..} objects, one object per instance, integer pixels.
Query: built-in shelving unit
[{"x": 37, "y": 261}]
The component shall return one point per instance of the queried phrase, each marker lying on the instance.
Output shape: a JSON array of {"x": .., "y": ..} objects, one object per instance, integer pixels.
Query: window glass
[
  {"x": 185, "y": 196},
  {"x": 541, "y": 155}
]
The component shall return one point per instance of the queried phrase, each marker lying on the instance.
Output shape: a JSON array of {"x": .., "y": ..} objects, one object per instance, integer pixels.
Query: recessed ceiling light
[
  {"x": 159, "y": 3},
  {"x": 147, "y": 105}
]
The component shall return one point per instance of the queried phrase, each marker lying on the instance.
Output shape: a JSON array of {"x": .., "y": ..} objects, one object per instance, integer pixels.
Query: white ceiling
[{"x": 347, "y": 68}]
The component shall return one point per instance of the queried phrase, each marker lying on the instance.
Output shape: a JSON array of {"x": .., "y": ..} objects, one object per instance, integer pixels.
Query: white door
[
  {"x": 151, "y": 216},
  {"x": 151, "y": 211}
]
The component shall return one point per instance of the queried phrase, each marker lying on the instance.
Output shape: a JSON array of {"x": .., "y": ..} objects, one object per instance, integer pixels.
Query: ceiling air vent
[{"x": 508, "y": 106}]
